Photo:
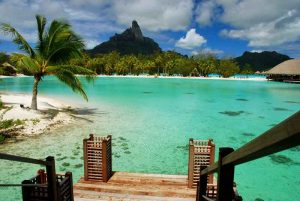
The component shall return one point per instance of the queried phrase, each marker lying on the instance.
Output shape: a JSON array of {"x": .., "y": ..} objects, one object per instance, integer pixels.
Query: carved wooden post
[
  {"x": 25, "y": 191},
  {"x": 191, "y": 163},
  {"x": 212, "y": 159},
  {"x": 104, "y": 160},
  {"x": 202, "y": 186},
  {"x": 225, "y": 176},
  {"x": 51, "y": 179},
  {"x": 42, "y": 176},
  {"x": 85, "y": 162},
  {"x": 69, "y": 174}
]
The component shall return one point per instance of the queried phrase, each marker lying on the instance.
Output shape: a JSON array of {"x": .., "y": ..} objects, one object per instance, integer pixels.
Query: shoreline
[
  {"x": 165, "y": 77},
  {"x": 18, "y": 122},
  {"x": 180, "y": 77}
]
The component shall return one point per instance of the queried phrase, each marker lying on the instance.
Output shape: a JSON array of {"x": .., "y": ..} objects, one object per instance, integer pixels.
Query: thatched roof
[{"x": 289, "y": 67}]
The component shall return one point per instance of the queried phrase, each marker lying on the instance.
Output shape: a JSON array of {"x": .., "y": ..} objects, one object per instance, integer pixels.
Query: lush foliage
[
  {"x": 161, "y": 63},
  {"x": 4, "y": 124},
  {"x": 228, "y": 67},
  {"x": 55, "y": 47}
]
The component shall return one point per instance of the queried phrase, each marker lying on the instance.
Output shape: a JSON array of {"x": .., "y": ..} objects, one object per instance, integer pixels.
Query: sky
[{"x": 226, "y": 28}]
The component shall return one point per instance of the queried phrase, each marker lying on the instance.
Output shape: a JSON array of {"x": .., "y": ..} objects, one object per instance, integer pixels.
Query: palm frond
[
  {"x": 29, "y": 65},
  {"x": 41, "y": 23},
  {"x": 76, "y": 70},
  {"x": 18, "y": 39},
  {"x": 62, "y": 43},
  {"x": 71, "y": 80}
]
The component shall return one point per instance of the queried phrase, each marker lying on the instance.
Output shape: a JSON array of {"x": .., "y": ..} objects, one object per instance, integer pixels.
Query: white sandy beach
[
  {"x": 35, "y": 122},
  {"x": 168, "y": 77},
  {"x": 180, "y": 77}
]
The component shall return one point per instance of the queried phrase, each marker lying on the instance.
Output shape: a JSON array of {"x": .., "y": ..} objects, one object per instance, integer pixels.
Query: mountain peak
[
  {"x": 135, "y": 28},
  {"x": 130, "y": 41}
]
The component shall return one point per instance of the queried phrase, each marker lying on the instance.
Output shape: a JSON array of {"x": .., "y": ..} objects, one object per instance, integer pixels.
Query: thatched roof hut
[
  {"x": 289, "y": 67},
  {"x": 287, "y": 71}
]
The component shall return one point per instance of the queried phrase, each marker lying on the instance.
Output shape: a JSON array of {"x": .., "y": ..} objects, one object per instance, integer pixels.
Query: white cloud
[
  {"x": 208, "y": 51},
  {"x": 261, "y": 22},
  {"x": 155, "y": 15},
  {"x": 191, "y": 40},
  {"x": 247, "y": 13},
  {"x": 205, "y": 12},
  {"x": 279, "y": 31},
  {"x": 89, "y": 44},
  {"x": 257, "y": 51}
]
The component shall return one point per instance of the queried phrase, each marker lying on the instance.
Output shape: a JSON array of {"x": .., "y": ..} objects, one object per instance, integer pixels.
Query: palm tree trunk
[{"x": 35, "y": 92}]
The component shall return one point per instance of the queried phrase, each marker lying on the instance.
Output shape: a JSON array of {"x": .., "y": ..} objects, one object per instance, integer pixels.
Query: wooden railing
[
  {"x": 46, "y": 186},
  {"x": 50, "y": 168},
  {"x": 283, "y": 136},
  {"x": 97, "y": 158}
]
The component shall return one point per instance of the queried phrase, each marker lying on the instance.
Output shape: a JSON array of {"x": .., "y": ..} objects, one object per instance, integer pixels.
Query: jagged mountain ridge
[{"x": 131, "y": 41}]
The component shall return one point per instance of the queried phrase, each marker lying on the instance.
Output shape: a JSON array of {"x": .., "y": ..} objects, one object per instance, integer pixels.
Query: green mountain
[
  {"x": 131, "y": 41},
  {"x": 261, "y": 61}
]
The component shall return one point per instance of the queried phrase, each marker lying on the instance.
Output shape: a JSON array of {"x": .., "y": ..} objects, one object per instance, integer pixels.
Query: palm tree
[{"x": 54, "y": 48}]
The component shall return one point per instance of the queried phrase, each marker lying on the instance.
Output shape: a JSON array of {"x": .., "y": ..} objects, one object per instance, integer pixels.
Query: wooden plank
[
  {"x": 22, "y": 159},
  {"x": 283, "y": 136},
  {"x": 191, "y": 163},
  {"x": 225, "y": 176},
  {"x": 85, "y": 156}
]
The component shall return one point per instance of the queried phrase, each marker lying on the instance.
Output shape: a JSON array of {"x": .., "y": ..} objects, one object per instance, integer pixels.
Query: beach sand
[{"x": 51, "y": 114}]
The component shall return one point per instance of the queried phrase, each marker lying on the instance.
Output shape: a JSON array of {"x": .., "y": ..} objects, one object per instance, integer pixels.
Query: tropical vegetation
[{"x": 56, "y": 46}]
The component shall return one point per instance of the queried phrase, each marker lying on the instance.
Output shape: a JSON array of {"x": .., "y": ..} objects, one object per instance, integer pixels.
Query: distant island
[
  {"x": 261, "y": 61},
  {"x": 131, "y": 41}
]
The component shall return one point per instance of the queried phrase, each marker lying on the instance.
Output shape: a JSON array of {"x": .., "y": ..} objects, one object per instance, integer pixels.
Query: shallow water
[{"x": 151, "y": 121}]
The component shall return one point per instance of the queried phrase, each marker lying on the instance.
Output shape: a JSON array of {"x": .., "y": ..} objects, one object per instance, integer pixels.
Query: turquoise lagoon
[{"x": 151, "y": 121}]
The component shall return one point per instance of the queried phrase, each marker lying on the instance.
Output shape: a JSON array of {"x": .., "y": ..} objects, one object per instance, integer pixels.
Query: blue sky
[{"x": 224, "y": 27}]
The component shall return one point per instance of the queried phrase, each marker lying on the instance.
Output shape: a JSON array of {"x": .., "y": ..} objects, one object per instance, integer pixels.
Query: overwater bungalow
[{"x": 287, "y": 71}]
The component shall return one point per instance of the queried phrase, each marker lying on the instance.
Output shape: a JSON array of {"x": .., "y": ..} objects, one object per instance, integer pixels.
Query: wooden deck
[{"x": 135, "y": 187}]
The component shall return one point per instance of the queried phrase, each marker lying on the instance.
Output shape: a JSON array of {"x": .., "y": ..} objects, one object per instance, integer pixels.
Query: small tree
[
  {"x": 228, "y": 67},
  {"x": 206, "y": 64},
  {"x": 55, "y": 47}
]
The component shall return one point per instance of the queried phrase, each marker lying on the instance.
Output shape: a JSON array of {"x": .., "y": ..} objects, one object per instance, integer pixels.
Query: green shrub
[
  {"x": 2, "y": 138},
  {"x": 1, "y": 104},
  {"x": 10, "y": 123}
]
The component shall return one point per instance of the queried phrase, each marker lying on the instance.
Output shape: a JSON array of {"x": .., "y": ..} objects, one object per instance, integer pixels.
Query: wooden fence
[
  {"x": 32, "y": 190},
  {"x": 283, "y": 136},
  {"x": 97, "y": 158},
  {"x": 46, "y": 186}
]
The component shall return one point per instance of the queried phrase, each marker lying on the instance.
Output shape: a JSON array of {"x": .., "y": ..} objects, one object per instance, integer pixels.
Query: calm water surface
[{"x": 151, "y": 121}]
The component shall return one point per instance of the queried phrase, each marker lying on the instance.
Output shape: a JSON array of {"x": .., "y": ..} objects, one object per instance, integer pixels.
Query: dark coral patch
[
  {"x": 127, "y": 152},
  {"x": 248, "y": 134},
  {"x": 280, "y": 109},
  {"x": 232, "y": 113},
  {"x": 183, "y": 147},
  {"x": 292, "y": 102},
  {"x": 258, "y": 199},
  {"x": 261, "y": 117},
  {"x": 241, "y": 99},
  {"x": 297, "y": 148},
  {"x": 61, "y": 158},
  {"x": 65, "y": 164},
  {"x": 122, "y": 138},
  {"x": 189, "y": 93},
  {"x": 281, "y": 159},
  {"x": 147, "y": 92},
  {"x": 78, "y": 165}
]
